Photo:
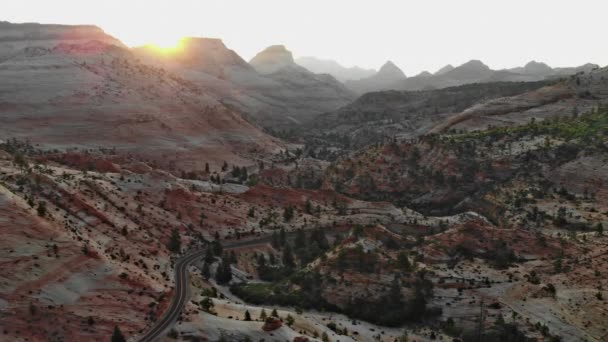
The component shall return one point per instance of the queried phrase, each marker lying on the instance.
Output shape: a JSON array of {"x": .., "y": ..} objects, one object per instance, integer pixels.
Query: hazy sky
[{"x": 416, "y": 35}]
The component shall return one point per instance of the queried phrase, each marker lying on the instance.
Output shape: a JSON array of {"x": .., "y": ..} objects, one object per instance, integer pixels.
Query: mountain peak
[
  {"x": 537, "y": 68},
  {"x": 272, "y": 59},
  {"x": 475, "y": 64},
  {"x": 445, "y": 69},
  {"x": 389, "y": 69},
  {"x": 424, "y": 74}
]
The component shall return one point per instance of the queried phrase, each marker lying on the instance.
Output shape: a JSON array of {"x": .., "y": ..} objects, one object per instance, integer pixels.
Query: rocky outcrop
[
  {"x": 271, "y": 324},
  {"x": 272, "y": 59},
  {"x": 14, "y": 38}
]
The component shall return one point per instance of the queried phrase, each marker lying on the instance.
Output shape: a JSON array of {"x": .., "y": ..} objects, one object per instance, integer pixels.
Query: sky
[{"x": 416, "y": 35}]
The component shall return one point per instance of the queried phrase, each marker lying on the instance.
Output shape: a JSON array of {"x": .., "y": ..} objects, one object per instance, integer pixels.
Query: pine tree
[
  {"x": 261, "y": 260},
  {"x": 117, "y": 335},
  {"x": 289, "y": 320},
  {"x": 274, "y": 240},
  {"x": 263, "y": 315},
  {"x": 223, "y": 275},
  {"x": 205, "y": 272},
  {"x": 288, "y": 260},
  {"x": 308, "y": 207},
  {"x": 174, "y": 244},
  {"x": 41, "y": 209},
  {"x": 282, "y": 237},
  {"x": 300, "y": 240},
  {"x": 247, "y": 315},
  {"x": 217, "y": 248},
  {"x": 209, "y": 258},
  {"x": 288, "y": 213},
  {"x": 274, "y": 313}
]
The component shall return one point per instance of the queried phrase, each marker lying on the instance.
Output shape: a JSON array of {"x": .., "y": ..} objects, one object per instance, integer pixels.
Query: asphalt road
[{"x": 180, "y": 296}]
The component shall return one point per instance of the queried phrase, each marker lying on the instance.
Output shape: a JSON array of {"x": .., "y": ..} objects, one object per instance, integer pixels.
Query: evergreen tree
[
  {"x": 300, "y": 240},
  {"x": 274, "y": 313},
  {"x": 223, "y": 275},
  {"x": 209, "y": 258},
  {"x": 288, "y": 260},
  {"x": 274, "y": 240},
  {"x": 217, "y": 248},
  {"x": 205, "y": 272},
  {"x": 288, "y": 213},
  {"x": 261, "y": 260},
  {"x": 308, "y": 207},
  {"x": 247, "y": 315},
  {"x": 282, "y": 237},
  {"x": 117, "y": 335},
  {"x": 289, "y": 320},
  {"x": 41, "y": 209},
  {"x": 174, "y": 244},
  {"x": 263, "y": 315},
  {"x": 404, "y": 262}
]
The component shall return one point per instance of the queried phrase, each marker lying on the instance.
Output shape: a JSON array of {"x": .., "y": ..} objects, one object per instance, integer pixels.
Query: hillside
[
  {"x": 448, "y": 173},
  {"x": 57, "y": 96},
  {"x": 277, "y": 95},
  {"x": 375, "y": 117}
]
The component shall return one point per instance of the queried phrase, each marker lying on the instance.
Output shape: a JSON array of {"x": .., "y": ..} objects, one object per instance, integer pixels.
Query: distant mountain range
[
  {"x": 327, "y": 66},
  {"x": 272, "y": 90},
  {"x": 390, "y": 77}
]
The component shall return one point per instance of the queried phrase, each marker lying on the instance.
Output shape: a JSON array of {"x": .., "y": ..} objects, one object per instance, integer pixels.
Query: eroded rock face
[
  {"x": 16, "y": 37},
  {"x": 271, "y": 324},
  {"x": 272, "y": 59}
]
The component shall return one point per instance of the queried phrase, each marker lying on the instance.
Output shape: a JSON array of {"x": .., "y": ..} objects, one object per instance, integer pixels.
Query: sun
[{"x": 166, "y": 45}]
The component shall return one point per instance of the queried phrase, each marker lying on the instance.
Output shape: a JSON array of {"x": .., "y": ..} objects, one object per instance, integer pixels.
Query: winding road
[{"x": 180, "y": 296}]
